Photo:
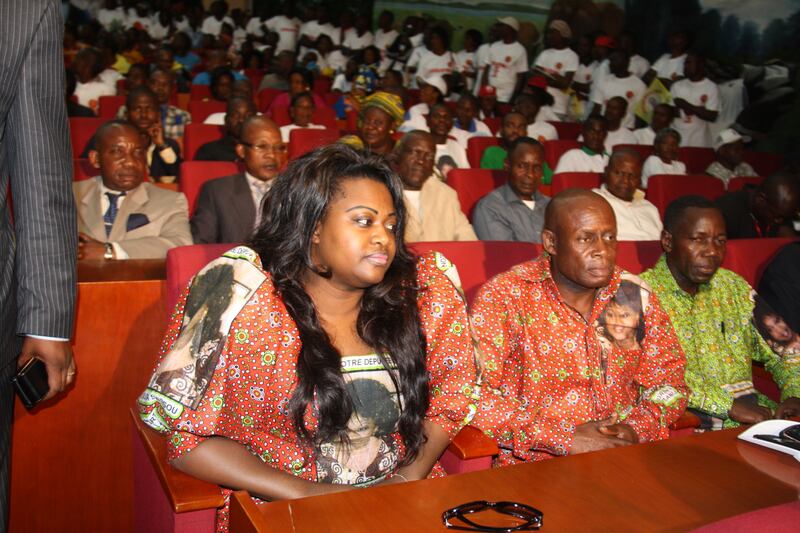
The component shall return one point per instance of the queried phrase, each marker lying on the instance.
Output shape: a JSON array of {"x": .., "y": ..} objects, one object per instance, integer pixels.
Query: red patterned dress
[
  {"x": 254, "y": 377},
  {"x": 547, "y": 370}
]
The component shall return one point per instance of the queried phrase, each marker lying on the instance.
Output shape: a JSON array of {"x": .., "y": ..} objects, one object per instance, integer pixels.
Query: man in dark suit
[
  {"x": 227, "y": 208},
  {"x": 224, "y": 149},
  {"x": 37, "y": 252}
]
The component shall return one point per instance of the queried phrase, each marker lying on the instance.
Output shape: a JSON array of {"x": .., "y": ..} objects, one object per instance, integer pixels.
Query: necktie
[{"x": 111, "y": 213}]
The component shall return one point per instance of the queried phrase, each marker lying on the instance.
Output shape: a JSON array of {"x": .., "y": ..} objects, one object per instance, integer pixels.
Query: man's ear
[
  {"x": 506, "y": 166},
  {"x": 239, "y": 149},
  {"x": 666, "y": 241},
  {"x": 94, "y": 158},
  {"x": 549, "y": 241}
]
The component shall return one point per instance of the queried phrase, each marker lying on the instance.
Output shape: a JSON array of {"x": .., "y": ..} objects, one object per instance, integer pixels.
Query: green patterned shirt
[{"x": 717, "y": 335}]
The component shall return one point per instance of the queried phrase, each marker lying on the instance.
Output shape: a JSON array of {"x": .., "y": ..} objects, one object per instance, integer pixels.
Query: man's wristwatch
[{"x": 109, "y": 253}]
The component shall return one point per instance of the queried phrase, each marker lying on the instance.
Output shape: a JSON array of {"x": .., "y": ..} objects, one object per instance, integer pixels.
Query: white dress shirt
[{"x": 637, "y": 220}]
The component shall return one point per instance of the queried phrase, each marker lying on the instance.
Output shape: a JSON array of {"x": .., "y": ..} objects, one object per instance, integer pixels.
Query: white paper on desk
[{"x": 770, "y": 427}]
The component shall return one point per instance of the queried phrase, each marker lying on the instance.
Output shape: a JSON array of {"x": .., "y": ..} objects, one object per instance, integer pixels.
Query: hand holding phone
[{"x": 30, "y": 382}]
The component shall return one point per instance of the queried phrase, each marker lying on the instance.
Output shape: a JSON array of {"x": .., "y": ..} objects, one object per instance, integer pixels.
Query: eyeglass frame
[
  {"x": 534, "y": 517},
  {"x": 274, "y": 148}
]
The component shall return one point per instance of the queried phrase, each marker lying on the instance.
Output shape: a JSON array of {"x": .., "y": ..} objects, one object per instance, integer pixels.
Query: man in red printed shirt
[{"x": 577, "y": 354}]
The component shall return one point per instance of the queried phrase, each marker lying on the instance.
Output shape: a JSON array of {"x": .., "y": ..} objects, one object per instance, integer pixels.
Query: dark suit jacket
[
  {"x": 224, "y": 212},
  {"x": 223, "y": 149},
  {"x": 36, "y": 157}
]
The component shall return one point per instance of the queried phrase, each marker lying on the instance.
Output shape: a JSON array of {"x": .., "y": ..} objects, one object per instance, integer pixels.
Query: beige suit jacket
[
  {"x": 167, "y": 212},
  {"x": 440, "y": 217}
]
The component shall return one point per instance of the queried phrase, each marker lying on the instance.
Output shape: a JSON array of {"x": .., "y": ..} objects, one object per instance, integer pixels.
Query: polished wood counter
[
  {"x": 71, "y": 459},
  {"x": 673, "y": 485}
]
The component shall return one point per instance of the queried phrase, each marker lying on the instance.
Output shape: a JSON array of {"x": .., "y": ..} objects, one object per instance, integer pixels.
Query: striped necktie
[{"x": 111, "y": 213}]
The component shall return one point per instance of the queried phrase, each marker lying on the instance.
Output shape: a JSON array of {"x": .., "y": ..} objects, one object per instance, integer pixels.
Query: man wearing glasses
[{"x": 228, "y": 209}]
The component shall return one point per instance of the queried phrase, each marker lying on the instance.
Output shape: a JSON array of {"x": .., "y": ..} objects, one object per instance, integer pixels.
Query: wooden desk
[
  {"x": 71, "y": 459},
  {"x": 673, "y": 485}
]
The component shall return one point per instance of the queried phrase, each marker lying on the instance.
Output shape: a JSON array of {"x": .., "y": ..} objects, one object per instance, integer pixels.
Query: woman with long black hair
[{"x": 342, "y": 361}]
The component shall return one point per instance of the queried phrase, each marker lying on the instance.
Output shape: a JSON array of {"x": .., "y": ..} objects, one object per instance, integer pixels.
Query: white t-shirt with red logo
[
  {"x": 431, "y": 64},
  {"x": 704, "y": 93},
  {"x": 286, "y": 29},
  {"x": 631, "y": 88},
  {"x": 559, "y": 62},
  {"x": 542, "y": 131},
  {"x": 467, "y": 63},
  {"x": 669, "y": 67},
  {"x": 353, "y": 42},
  {"x": 585, "y": 73},
  {"x": 506, "y": 61}
]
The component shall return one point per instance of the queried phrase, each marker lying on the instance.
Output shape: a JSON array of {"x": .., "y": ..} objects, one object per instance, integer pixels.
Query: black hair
[
  {"x": 387, "y": 12},
  {"x": 596, "y": 118},
  {"x": 308, "y": 77},
  {"x": 373, "y": 401},
  {"x": 138, "y": 66},
  {"x": 136, "y": 92},
  {"x": 388, "y": 319},
  {"x": 94, "y": 57},
  {"x": 305, "y": 94},
  {"x": 219, "y": 73},
  {"x": 443, "y": 35},
  {"x": 676, "y": 210},
  {"x": 476, "y": 35},
  {"x": 519, "y": 141}
]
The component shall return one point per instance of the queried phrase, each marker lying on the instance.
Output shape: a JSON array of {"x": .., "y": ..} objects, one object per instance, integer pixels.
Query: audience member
[
  {"x": 381, "y": 114},
  {"x": 467, "y": 60},
  {"x": 449, "y": 153},
  {"x": 515, "y": 211},
  {"x": 300, "y": 81},
  {"x": 162, "y": 154},
  {"x": 590, "y": 157},
  {"x": 329, "y": 263},
  {"x": 137, "y": 76},
  {"x": 669, "y": 67},
  {"x": 184, "y": 55},
  {"x": 558, "y": 64},
  {"x": 494, "y": 157},
  {"x": 120, "y": 214},
  {"x": 359, "y": 38},
  {"x": 487, "y": 101},
  {"x": 711, "y": 309},
  {"x": 663, "y": 114},
  {"x": 551, "y": 331},
  {"x": 766, "y": 210},
  {"x": 286, "y": 27},
  {"x": 638, "y": 65},
  {"x": 507, "y": 61},
  {"x": 212, "y": 24},
  {"x": 87, "y": 66},
  {"x": 780, "y": 284},
  {"x": 729, "y": 162},
  {"x": 278, "y": 77},
  {"x": 301, "y": 112},
  {"x": 616, "y": 109},
  {"x": 582, "y": 80},
  {"x": 221, "y": 85},
  {"x": 229, "y": 208},
  {"x": 697, "y": 100},
  {"x": 619, "y": 82},
  {"x": 224, "y": 149},
  {"x": 665, "y": 156},
  {"x": 431, "y": 92},
  {"x": 216, "y": 59},
  {"x": 529, "y": 105},
  {"x": 466, "y": 124},
  {"x": 434, "y": 213},
  {"x": 537, "y": 88},
  {"x": 385, "y": 35},
  {"x": 75, "y": 109},
  {"x": 439, "y": 60},
  {"x": 173, "y": 119},
  {"x": 637, "y": 218}
]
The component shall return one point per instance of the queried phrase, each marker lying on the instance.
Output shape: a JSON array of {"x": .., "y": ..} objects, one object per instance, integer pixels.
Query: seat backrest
[
  {"x": 476, "y": 147},
  {"x": 645, "y": 150},
  {"x": 749, "y": 257},
  {"x": 265, "y": 98},
  {"x": 574, "y": 180},
  {"x": 472, "y": 184},
  {"x": 196, "y": 135},
  {"x": 764, "y": 163},
  {"x": 198, "y": 92},
  {"x": 494, "y": 123},
  {"x": 323, "y": 84},
  {"x": 696, "y": 159},
  {"x": 637, "y": 256},
  {"x": 324, "y": 116},
  {"x": 200, "y": 110},
  {"x": 568, "y": 131},
  {"x": 109, "y": 105},
  {"x": 479, "y": 261},
  {"x": 553, "y": 150},
  {"x": 664, "y": 188},
  {"x": 195, "y": 173},
  {"x": 303, "y": 140},
  {"x": 184, "y": 262},
  {"x": 82, "y": 169},
  {"x": 739, "y": 182},
  {"x": 81, "y": 130}
]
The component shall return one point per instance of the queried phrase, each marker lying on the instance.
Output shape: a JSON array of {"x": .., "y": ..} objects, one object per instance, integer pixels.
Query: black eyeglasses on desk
[{"x": 456, "y": 518}]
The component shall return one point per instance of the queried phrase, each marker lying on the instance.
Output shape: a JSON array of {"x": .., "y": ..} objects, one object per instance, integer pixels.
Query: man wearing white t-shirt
[
  {"x": 287, "y": 28},
  {"x": 558, "y": 64},
  {"x": 449, "y": 153},
  {"x": 359, "y": 38},
  {"x": 467, "y": 59},
  {"x": 385, "y": 35},
  {"x": 669, "y": 67},
  {"x": 539, "y": 130},
  {"x": 663, "y": 114},
  {"x": 590, "y": 157},
  {"x": 438, "y": 60},
  {"x": 213, "y": 23},
  {"x": 637, "y": 65},
  {"x": 312, "y": 29},
  {"x": 466, "y": 124},
  {"x": 697, "y": 99},
  {"x": 620, "y": 82},
  {"x": 637, "y": 218},
  {"x": 616, "y": 109},
  {"x": 665, "y": 156},
  {"x": 507, "y": 61}
]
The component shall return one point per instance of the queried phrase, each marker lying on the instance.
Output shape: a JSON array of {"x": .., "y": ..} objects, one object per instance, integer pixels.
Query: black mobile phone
[{"x": 30, "y": 382}]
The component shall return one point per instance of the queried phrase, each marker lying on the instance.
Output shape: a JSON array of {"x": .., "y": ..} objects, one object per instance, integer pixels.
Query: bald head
[
  {"x": 567, "y": 202},
  {"x": 256, "y": 123},
  {"x": 261, "y": 148},
  {"x": 778, "y": 199}
]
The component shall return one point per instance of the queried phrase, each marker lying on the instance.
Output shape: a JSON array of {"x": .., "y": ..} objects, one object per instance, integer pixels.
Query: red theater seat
[
  {"x": 475, "y": 148},
  {"x": 472, "y": 184},
  {"x": 749, "y": 257},
  {"x": 195, "y": 173},
  {"x": 196, "y": 135},
  {"x": 574, "y": 180},
  {"x": 567, "y": 131},
  {"x": 265, "y": 98},
  {"x": 109, "y": 105},
  {"x": 199, "y": 92},
  {"x": 764, "y": 163},
  {"x": 739, "y": 182},
  {"x": 494, "y": 124},
  {"x": 664, "y": 188},
  {"x": 81, "y": 129},
  {"x": 82, "y": 169},
  {"x": 696, "y": 159},
  {"x": 553, "y": 150},
  {"x": 200, "y": 110},
  {"x": 304, "y": 140},
  {"x": 323, "y": 85}
]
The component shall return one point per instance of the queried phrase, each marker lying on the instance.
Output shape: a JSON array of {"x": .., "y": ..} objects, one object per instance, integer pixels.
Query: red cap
[
  {"x": 605, "y": 41},
  {"x": 538, "y": 81},
  {"x": 487, "y": 90}
]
